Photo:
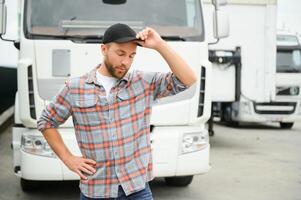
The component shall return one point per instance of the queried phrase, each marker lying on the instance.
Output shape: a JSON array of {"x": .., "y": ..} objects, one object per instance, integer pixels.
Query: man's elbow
[{"x": 192, "y": 81}]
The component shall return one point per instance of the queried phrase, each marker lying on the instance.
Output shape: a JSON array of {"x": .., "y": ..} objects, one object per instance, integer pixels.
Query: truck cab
[
  {"x": 285, "y": 109},
  {"x": 61, "y": 39},
  {"x": 288, "y": 78}
]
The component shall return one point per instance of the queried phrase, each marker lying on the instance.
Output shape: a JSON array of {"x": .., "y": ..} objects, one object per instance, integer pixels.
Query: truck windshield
[
  {"x": 82, "y": 19},
  {"x": 289, "y": 61}
]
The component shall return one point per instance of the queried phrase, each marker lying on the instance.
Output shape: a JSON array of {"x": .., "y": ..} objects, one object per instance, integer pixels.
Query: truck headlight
[
  {"x": 194, "y": 141},
  {"x": 294, "y": 90},
  {"x": 36, "y": 145}
]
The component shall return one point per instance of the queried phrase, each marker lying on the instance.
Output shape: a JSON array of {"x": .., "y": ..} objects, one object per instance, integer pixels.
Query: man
[{"x": 111, "y": 110}]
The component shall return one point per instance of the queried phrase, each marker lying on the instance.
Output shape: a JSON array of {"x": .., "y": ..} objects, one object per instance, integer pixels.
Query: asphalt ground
[{"x": 256, "y": 161}]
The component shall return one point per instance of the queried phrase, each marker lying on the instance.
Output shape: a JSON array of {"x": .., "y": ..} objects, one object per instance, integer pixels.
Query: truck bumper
[
  {"x": 167, "y": 156},
  {"x": 268, "y": 113},
  {"x": 37, "y": 167},
  {"x": 34, "y": 167}
]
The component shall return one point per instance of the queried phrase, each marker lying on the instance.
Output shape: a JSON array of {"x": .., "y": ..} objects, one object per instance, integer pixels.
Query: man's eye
[{"x": 119, "y": 53}]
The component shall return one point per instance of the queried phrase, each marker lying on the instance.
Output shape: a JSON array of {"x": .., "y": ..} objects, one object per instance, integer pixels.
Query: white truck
[
  {"x": 288, "y": 79},
  {"x": 61, "y": 39},
  {"x": 244, "y": 64}
]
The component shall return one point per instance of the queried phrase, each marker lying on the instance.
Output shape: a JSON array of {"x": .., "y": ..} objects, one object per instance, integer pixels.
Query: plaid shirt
[{"x": 115, "y": 132}]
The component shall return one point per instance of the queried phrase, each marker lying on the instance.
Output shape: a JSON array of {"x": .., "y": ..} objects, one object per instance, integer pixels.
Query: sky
[{"x": 289, "y": 15}]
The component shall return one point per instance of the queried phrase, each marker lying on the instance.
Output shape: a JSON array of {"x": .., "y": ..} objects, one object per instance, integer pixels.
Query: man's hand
[
  {"x": 150, "y": 38},
  {"x": 80, "y": 165}
]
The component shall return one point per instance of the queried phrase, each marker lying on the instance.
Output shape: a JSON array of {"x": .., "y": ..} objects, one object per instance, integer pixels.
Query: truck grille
[
  {"x": 275, "y": 108},
  {"x": 202, "y": 92},
  {"x": 32, "y": 106}
]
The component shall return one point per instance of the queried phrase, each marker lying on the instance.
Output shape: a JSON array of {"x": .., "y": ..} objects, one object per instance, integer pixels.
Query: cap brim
[{"x": 128, "y": 39}]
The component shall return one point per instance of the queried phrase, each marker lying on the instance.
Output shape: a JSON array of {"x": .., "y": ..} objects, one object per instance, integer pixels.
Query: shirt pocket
[
  {"x": 86, "y": 111},
  {"x": 128, "y": 105}
]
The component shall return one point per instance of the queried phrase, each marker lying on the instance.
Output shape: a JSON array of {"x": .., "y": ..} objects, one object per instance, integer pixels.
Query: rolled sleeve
[
  {"x": 165, "y": 84},
  {"x": 57, "y": 111}
]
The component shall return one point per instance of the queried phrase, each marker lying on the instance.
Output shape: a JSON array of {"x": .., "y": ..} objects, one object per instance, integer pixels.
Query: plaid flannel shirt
[{"x": 115, "y": 132}]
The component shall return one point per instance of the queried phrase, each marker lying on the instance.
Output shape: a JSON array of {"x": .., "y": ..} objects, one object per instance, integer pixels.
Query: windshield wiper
[
  {"x": 173, "y": 38},
  {"x": 74, "y": 38},
  {"x": 67, "y": 29},
  {"x": 87, "y": 38},
  {"x": 91, "y": 38},
  {"x": 290, "y": 70},
  {"x": 287, "y": 68}
]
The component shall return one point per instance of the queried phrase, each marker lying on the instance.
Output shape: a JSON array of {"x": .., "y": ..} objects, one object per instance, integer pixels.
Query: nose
[{"x": 126, "y": 61}]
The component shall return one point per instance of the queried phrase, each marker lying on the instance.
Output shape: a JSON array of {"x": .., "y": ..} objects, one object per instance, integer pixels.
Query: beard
[{"x": 113, "y": 71}]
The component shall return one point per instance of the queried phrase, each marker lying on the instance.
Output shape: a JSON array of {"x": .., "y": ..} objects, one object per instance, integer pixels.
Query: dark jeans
[{"x": 144, "y": 194}]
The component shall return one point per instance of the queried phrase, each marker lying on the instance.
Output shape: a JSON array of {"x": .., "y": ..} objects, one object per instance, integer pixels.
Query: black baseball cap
[{"x": 119, "y": 33}]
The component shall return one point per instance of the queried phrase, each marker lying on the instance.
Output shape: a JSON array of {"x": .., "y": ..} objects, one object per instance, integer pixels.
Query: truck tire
[
  {"x": 234, "y": 124},
  {"x": 28, "y": 185},
  {"x": 286, "y": 125},
  {"x": 227, "y": 115},
  {"x": 178, "y": 181}
]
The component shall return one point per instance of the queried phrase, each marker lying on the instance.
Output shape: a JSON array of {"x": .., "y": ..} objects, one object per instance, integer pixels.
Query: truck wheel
[
  {"x": 28, "y": 185},
  {"x": 226, "y": 113},
  {"x": 286, "y": 125},
  {"x": 179, "y": 181},
  {"x": 227, "y": 116},
  {"x": 234, "y": 124}
]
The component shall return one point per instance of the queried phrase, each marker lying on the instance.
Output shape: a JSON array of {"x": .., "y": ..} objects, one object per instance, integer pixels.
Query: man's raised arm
[{"x": 151, "y": 39}]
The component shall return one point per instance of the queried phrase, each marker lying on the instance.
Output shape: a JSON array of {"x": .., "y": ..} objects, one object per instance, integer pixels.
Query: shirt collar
[{"x": 92, "y": 76}]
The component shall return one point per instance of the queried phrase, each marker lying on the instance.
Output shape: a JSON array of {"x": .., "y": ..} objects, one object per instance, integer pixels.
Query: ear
[{"x": 104, "y": 49}]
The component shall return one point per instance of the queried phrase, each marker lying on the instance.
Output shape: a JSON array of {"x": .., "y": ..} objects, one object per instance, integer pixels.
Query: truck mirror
[
  {"x": 220, "y": 24},
  {"x": 2, "y": 17},
  {"x": 114, "y": 1}
]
